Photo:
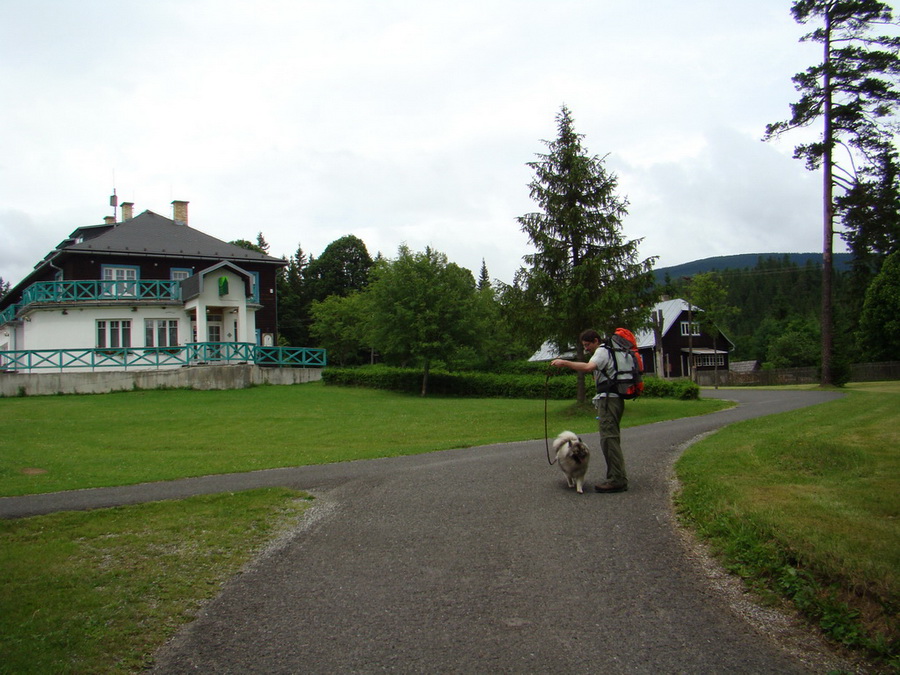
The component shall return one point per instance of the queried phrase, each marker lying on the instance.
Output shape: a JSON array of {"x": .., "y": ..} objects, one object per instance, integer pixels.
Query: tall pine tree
[
  {"x": 584, "y": 273},
  {"x": 853, "y": 91}
]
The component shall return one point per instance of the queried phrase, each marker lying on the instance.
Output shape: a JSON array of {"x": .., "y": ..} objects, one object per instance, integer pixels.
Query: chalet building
[
  {"x": 676, "y": 338},
  {"x": 667, "y": 348},
  {"x": 145, "y": 292}
]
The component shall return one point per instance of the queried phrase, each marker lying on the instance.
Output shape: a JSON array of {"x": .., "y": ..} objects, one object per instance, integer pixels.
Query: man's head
[{"x": 590, "y": 340}]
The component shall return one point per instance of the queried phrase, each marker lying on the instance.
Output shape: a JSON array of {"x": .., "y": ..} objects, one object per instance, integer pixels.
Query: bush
[
  {"x": 682, "y": 389},
  {"x": 537, "y": 384}
]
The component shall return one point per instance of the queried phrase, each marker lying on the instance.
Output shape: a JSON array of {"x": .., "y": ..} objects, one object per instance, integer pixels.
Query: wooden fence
[{"x": 859, "y": 372}]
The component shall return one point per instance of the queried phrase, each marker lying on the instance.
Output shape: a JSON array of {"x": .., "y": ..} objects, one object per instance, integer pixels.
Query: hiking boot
[{"x": 611, "y": 487}]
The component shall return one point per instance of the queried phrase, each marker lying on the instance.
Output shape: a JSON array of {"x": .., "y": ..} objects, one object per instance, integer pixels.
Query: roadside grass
[
  {"x": 72, "y": 442},
  {"x": 806, "y": 506},
  {"x": 99, "y": 592}
]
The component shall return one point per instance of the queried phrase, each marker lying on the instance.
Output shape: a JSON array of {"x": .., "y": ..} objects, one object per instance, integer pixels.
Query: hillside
[{"x": 744, "y": 261}]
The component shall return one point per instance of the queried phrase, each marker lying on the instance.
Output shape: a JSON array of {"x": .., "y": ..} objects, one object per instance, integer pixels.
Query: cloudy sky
[{"x": 400, "y": 121}]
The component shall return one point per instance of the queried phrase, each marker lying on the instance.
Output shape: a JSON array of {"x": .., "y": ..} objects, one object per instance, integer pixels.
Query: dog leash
[{"x": 546, "y": 434}]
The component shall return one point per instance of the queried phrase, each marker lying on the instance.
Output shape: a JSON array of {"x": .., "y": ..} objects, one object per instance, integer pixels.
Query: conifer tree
[
  {"x": 584, "y": 273},
  {"x": 854, "y": 93}
]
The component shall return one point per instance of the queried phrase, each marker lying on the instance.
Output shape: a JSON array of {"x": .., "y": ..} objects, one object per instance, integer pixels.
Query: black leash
[{"x": 546, "y": 434}]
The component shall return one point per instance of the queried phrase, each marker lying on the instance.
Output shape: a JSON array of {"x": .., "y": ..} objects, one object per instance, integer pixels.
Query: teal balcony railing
[
  {"x": 80, "y": 291},
  {"x": 8, "y": 314},
  {"x": 195, "y": 353}
]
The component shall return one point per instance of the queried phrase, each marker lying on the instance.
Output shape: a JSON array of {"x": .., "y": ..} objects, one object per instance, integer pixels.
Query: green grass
[
  {"x": 72, "y": 442},
  {"x": 806, "y": 505},
  {"x": 99, "y": 592}
]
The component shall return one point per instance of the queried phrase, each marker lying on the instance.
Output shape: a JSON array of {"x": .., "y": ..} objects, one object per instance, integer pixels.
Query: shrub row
[{"x": 487, "y": 385}]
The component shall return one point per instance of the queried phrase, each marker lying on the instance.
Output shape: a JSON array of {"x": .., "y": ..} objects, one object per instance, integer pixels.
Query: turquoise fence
[
  {"x": 195, "y": 353},
  {"x": 79, "y": 291}
]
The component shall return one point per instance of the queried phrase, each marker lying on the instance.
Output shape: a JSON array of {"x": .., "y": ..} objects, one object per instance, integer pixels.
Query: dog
[{"x": 573, "y": 456}]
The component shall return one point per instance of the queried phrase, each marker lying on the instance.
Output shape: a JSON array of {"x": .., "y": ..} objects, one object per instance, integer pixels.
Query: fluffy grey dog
[{"x": 572, "y": 456}]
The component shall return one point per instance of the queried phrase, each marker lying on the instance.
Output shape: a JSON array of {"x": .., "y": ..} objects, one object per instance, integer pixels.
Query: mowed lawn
[{"x": 53, "y": 443}]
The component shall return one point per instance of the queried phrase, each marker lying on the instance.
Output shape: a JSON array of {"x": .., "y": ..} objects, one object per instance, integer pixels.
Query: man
[{"x": 610, "y": 407}]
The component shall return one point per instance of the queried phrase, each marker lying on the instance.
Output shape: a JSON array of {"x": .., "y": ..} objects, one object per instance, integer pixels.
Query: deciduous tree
[
  {"x": 343, "y": 268},
  {"x": 422, "y": 308}
]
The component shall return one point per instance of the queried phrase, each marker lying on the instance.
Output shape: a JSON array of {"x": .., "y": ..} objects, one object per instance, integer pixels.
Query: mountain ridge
[{"x": 745, "y": 261}]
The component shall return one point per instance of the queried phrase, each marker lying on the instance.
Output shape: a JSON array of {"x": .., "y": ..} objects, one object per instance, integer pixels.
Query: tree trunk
[
  {"x": 580, "y": 379},
  {"x": 425, "y": 377},
  {"x": 828, "y": 217}
]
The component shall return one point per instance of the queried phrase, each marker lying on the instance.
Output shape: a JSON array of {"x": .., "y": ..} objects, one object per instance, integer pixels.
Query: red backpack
[{"x": 626, "y": 380}]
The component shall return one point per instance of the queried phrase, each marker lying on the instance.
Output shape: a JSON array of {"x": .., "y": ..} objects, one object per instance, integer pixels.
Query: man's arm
[{"x": 577, "y": 366}]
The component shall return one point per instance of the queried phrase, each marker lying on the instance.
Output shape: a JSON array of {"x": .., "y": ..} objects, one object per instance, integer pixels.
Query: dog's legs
[
  {"x": 578, "y": 483},
  {"x": 570, "y": 481}
]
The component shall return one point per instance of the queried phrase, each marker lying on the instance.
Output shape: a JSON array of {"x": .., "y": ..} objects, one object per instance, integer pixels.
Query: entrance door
[{"x": 214, "y": 335}]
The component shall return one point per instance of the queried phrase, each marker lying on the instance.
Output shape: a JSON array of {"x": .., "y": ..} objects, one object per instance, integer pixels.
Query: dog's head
[{"x": 578, "y": 450}]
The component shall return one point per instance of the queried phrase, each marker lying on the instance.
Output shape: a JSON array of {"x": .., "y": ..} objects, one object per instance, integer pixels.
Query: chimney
[
  {"x": 127, "y": 211},
  {"x": 109, "y": 220},
  {"x": 179, "y": 210}
]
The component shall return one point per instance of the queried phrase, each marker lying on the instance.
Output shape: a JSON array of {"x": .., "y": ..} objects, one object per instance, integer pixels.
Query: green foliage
[
  {"x": 682, "y": 389},
  {"x": 339, "y": 325},
  {"x": 442, "y": 382},
  {"x": 423, "y": 307},
  {"x": 293, "y": 302},
  {"x": 584, "y": 273},
  {"x": 775, "y": 297},
  {"x": 859, "y": 94},
  {"x": 523, "y": 381},
  {"x": 797, "y": 346},
  {"x": 342, "y": 269},
  {"x": 879, "y": 327}
]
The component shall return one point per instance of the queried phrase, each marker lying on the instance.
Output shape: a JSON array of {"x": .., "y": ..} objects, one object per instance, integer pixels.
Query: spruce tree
[{"x": 584, "y": 273}]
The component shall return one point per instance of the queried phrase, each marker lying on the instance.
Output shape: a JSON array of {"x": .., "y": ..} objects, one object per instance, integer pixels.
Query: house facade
[
  {"x": 143, "y": 292},
  {"x": 676, "y": 345}
]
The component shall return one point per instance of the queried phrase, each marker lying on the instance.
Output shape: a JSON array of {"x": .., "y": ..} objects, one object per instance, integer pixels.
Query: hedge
[{"x": 559, "y": 385}]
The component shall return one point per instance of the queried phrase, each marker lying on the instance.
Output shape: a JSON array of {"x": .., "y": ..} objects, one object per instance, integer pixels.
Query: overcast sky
[{"x": 400, "y": 121}]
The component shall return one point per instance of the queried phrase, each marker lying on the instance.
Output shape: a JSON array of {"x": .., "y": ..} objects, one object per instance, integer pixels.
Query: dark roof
[{"x": 152, "y": 234}]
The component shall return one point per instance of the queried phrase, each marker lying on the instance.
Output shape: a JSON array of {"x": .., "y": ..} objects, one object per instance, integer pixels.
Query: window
[
  {"x": 113, "y": 334},
  {"x": 685, "y": 329},
  {"x": 709, "y": 359},
  {"x": 161, "y": 333},
  {"x": 119, "y": 281},
  {"x": 180, "y": 273}
]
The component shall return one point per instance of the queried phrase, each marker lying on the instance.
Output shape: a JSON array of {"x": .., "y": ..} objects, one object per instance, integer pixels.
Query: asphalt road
[{"x": 476, "y": 560}]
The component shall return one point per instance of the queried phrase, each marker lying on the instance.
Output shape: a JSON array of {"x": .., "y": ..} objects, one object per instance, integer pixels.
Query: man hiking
[{"x": 609, "y": 405}]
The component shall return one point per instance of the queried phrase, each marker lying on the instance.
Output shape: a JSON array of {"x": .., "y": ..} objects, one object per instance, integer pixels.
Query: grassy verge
[
  {"x": 805, "y": 506},
  {"x": 72, "y": 442},
  {"x": 99, "y": 592}
]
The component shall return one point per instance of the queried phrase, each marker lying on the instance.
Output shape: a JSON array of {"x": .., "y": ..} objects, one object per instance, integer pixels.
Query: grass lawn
[
  {"x": 99, "y": 592},
  {"x": 52, "y": 443},
  {"x": 806, "y": 505}
]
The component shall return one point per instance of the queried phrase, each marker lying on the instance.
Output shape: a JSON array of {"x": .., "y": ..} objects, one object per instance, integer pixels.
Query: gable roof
[
  {"x": 671, "y": 310},
  {"x": 193, "y": 285},
  {"x": 152, "y": 234}
]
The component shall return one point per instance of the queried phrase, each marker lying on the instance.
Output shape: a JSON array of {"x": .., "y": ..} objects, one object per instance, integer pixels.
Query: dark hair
[{"x": 590, "y": 335}]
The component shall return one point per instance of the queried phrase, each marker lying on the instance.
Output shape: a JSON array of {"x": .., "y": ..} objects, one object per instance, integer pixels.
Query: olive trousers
[{"x": 609, "y": 412}]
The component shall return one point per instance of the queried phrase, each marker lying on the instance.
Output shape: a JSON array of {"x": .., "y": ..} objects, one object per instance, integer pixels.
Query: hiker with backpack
[{"x": 616, "y": 369}]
